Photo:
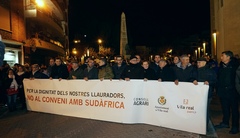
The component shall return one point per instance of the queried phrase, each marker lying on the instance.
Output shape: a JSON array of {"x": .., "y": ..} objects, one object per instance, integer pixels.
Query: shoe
[
  {"x": 222, "y": 125},
  {"x": 234, "y": 131}
]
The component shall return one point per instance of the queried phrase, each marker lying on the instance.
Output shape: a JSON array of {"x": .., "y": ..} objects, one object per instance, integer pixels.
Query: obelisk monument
[{"x": 124, "y": 49}]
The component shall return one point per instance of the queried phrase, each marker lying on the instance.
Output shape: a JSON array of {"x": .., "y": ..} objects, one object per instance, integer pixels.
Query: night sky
[{"x": 149, "y": 22}]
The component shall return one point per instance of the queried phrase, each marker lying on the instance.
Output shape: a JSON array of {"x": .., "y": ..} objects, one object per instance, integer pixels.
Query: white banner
[{"x": 181, "y": 107}]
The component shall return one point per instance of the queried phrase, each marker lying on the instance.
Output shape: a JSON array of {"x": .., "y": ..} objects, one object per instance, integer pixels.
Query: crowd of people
[{"x": 222, "y": 77}]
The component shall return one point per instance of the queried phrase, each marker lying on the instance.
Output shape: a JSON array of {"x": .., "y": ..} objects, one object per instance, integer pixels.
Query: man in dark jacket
[
  {"x": 208, "y": 77},
  {"x": 118, "y": 67},
  {"x": 184, "y": 71},
  {"x": 76, "y": 72},
  {"x": 133, "y": 70},
  {"x": 91, "y": 72},
  {"x": 154, "y": 65},
  {"x": 227, "y": 92},
  {"x": 149, "y": 73},
  {"x": 36, "y": 73},
  {"x": 59, "y": 70},
  {"x": 165, "y": 72}
]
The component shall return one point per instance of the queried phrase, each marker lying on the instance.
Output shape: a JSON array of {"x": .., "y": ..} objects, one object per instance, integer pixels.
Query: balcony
[
  {"x": 48, "y": 20},
  {"x": 36, "y": 43}
]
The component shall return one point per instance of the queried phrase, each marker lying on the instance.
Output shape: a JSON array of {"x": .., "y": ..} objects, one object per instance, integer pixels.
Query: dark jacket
[
  {"x": 149, "y": 74},
  {"x": 226, "y": 78},
  {"x": 39, "y": 75},
  {"x": 166, "y": 74},
  {"x": 189, "y": 74},
  {"x": 19, "y": 78},
  {"x": 91, "y": 73},
  {"x": 77, "y": 73},
  {"x": 117, "y": 71},
  {"x": 133, "y": 71},
  {"x": 207, "y": 74},
  {"x": 60, "y": 71},
  {"x": 237, "y": 82},
  {"x": 154, "y": 66}
]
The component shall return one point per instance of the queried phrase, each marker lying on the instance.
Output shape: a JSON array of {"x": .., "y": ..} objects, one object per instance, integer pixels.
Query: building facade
[
  {"x": 225, "y": 26},
  {"x": 33, "y": 32}
]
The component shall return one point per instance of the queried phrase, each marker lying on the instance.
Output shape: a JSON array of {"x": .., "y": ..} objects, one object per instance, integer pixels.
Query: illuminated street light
[
  {"x": 76, "y": 41},
  {"x": 99, "y": 45},
  {"x": 199, "y": 52},
  {"x": 40, "y": 3},
  {"x": 74, "y": 51},
  {"x": 215, "y": 43},
  {"x": 204, "y": 48},
  {"x": 99, "y": 41}
]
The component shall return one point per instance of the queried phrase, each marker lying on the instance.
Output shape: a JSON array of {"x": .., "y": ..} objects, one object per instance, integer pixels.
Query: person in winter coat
[
  {"x": 76, "y": 72},
  {"x": 118, "y": 67},
  {"x": 209, "y": 77},
  {"x": 133, "y": 70},
  {"x": 59, "y": 70},
  {"x": 184, "y": 71},
  {"x": 104, "y": 70},
  {"x": 227, "y": 93},
  {"x": 149, "y": 73},
  {"x": 11, "y": 83},
  {"x": 165, "y": 72},
  {"x": 20, "y": 75},
  {"x": 91, "y": 72}
]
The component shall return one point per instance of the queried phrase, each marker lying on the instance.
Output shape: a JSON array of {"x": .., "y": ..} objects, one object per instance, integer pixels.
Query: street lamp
[
  {"x": 214, "y": 43},
  {"x": 204, "y": 48},
  {"x": 99, "y": 45},
  {"x": 199, "y": 52},
  {"x": 40, "y": 3},
  {"x": 74, "y": 51}
]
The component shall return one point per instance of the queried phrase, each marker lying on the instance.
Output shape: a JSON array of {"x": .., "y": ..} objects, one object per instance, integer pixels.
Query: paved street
[{"x": 26, "y": 124}]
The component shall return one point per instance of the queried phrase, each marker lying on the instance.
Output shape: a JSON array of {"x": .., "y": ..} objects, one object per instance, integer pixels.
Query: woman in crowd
[
  {"x": 20, "y": 75},
  {"x": 11, "y": 87}
]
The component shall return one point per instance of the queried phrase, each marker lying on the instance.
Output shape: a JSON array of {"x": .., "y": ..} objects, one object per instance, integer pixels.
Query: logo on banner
[
  {"x": 185, "y": 101},
  {"x": 162, "y": 100},
  {"x": 185, "y": 106},
  {"x": 141, "y": 101}
]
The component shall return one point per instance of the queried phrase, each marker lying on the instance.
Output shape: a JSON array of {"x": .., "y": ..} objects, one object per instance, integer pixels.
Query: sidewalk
[{"x": 216, "y": 117}]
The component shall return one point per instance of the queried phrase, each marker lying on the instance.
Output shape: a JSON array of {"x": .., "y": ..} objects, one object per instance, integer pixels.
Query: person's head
[
  {"x": 119, "y": 60},
  {"x": 75, "y": 64},
  {"x": 51, "y": 61},
  {"x": 184, "y": 60},
  {"x": 201, "y": 62},
  {"x": 176, "y": 60},
  {"x": 133, "y": 60},
  {"x": 58, "y": 61},
  {"x": 138, "y": 58},
  {"x": 157, "y": 58},
  {"x": 145, "y": 64},
  {"x": 10, "y": 72},
  {"x": 226, "y": 56},
  {"x": 102, "y": 61},
  {"x": 35, "y": 67},
  {"x": 162, "y": 63},
  {"x": 21, "y": 68},
  {"x": 90, "y": 63}
]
